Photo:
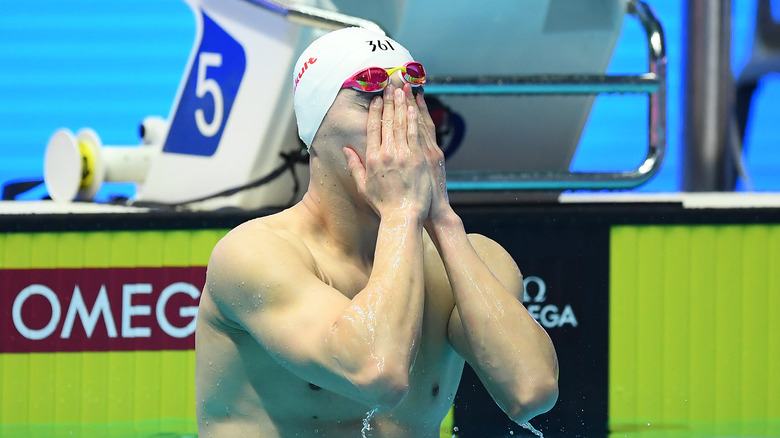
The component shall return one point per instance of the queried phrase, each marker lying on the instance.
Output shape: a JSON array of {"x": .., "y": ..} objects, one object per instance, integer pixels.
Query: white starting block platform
[
  {"x": 692, "y": 201},
  {"x": 232, "y": 122}
]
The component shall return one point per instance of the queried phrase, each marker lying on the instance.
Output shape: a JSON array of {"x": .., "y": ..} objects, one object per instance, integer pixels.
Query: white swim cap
[{"x": 329, "y": 61}]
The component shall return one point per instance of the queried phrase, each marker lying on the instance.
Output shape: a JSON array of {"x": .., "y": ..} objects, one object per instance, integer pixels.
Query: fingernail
[
  {"x": 389, "y": 91},
  {"x": 399, "y": 93},
  {"x": 377, "y": 101}
]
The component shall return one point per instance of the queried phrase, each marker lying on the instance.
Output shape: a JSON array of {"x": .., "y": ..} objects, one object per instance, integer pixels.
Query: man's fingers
[
  {"x": 356, "y": 168},
  {"x": 399, "y": 124},
  {"x": 427, "y": 127},
  {"x": 388, "y": 112},
  {"x": 425, "y": 115},
  {"x": 412, "y": 132},
  {"x": 374, "y": 135},
  {"x": 412, "y": 101}
]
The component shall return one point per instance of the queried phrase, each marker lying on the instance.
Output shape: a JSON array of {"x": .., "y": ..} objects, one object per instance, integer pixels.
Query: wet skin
[{"x": 346, "y": 302}]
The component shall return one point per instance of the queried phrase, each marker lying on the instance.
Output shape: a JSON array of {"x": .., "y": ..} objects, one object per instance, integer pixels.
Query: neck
[{"x": 342, "y": 218}]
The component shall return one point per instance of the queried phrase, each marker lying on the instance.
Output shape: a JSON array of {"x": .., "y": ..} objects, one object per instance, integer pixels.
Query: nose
[{"x": 396, "y": 80}]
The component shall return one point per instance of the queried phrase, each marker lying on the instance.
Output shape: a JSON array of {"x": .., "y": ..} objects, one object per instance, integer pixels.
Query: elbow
[
  {"x": 533, "y": 398},
  {"x": 384, "y": 389},
  {"x": 379, "y": 379}
]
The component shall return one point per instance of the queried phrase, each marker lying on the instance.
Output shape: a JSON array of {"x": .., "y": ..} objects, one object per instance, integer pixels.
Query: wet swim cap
[{"x": 329, "y": 61}]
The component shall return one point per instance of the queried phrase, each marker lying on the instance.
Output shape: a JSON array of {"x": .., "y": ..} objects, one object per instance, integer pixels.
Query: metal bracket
[
  {"x": 652, "y": 83},
  {"x": 315, "y": 17}
]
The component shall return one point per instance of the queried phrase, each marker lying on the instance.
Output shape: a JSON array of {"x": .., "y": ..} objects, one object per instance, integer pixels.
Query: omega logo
[
  {"x": 78, "y": 310},
  {"x": 548, "y": 315}
]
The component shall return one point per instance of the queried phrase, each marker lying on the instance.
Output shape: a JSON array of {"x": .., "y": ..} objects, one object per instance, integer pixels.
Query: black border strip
[{"x": 530, "y": 213}]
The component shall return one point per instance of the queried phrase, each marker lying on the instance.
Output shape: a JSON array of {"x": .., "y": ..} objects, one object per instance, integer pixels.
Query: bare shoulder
[
  {"x": 247, "y": 249},
  {"x": 486, "y": 246},
  {"x": 498, "y": 259},
  {"x": 254, "y": 256},
  {"x": 491, "y": 252}
]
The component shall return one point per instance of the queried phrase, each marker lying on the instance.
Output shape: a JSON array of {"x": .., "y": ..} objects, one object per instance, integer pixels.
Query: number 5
[{"x": 206, "y": 85}]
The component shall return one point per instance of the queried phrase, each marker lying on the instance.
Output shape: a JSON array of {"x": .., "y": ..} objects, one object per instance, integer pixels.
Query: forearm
[
  {"x": 377, "y": 337},
  {"x": 505, "y": 345}
]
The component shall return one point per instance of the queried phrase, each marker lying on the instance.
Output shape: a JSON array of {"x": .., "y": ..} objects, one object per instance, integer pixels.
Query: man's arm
[
  {"x": 489, "y": 327},
  {"x": 362, "y": 348},
  {"x": 510, "y": 352}
]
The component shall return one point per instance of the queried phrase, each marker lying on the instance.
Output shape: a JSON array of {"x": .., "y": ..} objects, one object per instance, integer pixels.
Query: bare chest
[{"x": 433, "y": 384}]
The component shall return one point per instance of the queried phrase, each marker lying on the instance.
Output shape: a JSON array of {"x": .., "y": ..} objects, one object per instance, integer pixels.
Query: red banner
[{"x": 99, "y": 309}]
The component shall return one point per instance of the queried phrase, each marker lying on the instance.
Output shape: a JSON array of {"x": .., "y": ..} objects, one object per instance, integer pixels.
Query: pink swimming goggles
[{"x": 374, "y": 79}]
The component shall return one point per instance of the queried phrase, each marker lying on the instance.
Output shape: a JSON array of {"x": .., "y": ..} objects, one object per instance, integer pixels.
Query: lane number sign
[{"x": 207, "y": 98}]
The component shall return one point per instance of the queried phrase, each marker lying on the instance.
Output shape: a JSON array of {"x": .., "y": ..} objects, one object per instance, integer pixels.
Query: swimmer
[{"x": 367, "y": 297}]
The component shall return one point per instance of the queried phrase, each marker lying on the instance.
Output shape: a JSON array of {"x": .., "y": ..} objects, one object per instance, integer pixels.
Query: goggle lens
[
  {"x": 415, "y": 72},
  {"x": 372, "y": 79}
]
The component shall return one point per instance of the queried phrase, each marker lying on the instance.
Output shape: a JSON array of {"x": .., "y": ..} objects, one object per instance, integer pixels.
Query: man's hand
[
  {"x": 434, "y": 156},
  {"x": 395, "y": 173}
]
